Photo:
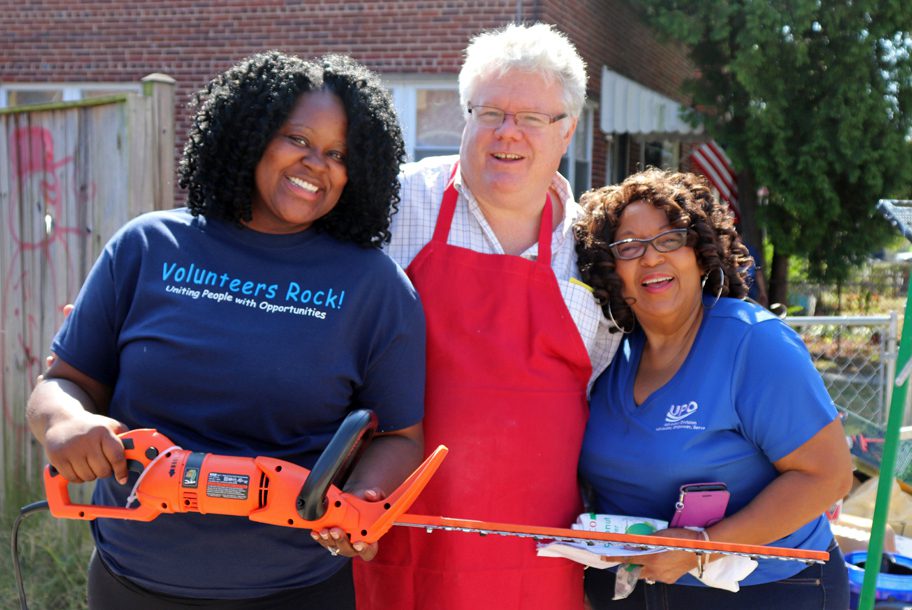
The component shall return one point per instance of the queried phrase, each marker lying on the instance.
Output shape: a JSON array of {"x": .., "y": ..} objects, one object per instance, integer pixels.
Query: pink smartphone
[{"x": 700, "y": 504}]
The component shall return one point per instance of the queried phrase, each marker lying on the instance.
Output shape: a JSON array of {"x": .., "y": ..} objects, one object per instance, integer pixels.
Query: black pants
[
  {"x": 110, "y": 592},
  {"x": 818, "y": 587}
]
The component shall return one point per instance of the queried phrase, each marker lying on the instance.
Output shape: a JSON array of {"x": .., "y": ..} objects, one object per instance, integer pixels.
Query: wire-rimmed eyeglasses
[
  {"x": 489, "y": 116},
  {"x": 666, "y": 241}
]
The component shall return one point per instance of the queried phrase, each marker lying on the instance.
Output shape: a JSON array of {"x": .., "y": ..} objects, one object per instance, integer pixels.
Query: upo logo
[{"x": 678, "y": 412}]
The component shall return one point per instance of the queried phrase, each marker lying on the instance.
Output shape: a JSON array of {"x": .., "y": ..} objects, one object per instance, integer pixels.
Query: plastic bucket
[{"x": 895, "y": 585}]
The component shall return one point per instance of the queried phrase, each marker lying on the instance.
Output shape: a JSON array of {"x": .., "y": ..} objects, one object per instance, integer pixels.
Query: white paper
[
  {"x": 591, "y": 554},
  {"x": 723, "y": 573}
]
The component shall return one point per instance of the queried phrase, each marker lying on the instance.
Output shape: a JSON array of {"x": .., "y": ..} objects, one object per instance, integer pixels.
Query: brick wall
[{"x": 106, "y": 40}]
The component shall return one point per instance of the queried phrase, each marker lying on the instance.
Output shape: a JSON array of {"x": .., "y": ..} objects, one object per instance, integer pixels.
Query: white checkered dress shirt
[{"x": 423, "y": 184}]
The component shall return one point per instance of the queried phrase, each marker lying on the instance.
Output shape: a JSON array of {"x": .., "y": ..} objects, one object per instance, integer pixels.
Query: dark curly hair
[
  {"x": 687, "y": 202},
  {"x": 240, "y": 111}
]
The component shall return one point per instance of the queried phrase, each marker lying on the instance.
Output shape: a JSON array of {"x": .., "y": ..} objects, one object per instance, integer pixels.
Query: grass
[{"x": 53, "y": 555}]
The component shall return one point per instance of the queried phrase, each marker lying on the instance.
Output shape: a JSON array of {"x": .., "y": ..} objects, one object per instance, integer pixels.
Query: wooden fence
[{"x": 70, "y": 175}]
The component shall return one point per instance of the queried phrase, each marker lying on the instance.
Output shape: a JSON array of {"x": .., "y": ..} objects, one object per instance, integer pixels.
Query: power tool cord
[{"x": 14, "y": 544}]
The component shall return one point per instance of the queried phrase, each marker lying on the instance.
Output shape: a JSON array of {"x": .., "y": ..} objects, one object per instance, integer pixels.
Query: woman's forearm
[
  {"x": 66, "y": 413},
  {"x": 812, "y": 477},
  {"x": 388, "y": 460},
  {"x": 54, "y": 400}
]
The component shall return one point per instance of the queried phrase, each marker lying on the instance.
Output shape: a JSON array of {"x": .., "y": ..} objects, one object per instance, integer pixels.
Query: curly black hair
[
  {"x": 239, "y": 112},
  {"x": 688, "y": 202}
]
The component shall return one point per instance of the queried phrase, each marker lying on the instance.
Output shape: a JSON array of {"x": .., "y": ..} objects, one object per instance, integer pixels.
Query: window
[
  {"x": 24, "y": 94},
  {"x": 430, "y": 116},
  {"x": 438, "y": 122},
  {"x": 662, "y": 154},
  {"x": 576, "y": 165},
  {"x": 617, "y": 157},
  {"x": 26, "y": 97}
]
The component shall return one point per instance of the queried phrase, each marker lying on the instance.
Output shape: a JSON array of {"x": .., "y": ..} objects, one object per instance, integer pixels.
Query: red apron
[{"x": 506, "y": 392}]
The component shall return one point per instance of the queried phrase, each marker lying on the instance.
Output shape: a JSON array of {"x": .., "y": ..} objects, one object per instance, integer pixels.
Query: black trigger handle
[{"x": 336, "y": 462}]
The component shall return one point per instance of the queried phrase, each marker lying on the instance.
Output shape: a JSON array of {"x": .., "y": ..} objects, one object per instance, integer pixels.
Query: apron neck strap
[
  {"x": 447, "y": 209},
  {"x": 544, "y": 233}
]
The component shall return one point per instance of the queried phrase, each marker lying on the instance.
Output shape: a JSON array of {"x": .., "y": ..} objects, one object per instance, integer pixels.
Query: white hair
[{"x": 540, "y": 49}]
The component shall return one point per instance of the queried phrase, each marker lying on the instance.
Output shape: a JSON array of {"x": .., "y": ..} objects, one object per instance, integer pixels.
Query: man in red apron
[{"x": 513, "y": 337}]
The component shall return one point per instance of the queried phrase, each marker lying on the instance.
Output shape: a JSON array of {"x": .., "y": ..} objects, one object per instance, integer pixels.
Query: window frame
[
  {"x": 586, "y": 121},
  {"x": 71, "y": 92},
  {"x": 404, "y": 91}
]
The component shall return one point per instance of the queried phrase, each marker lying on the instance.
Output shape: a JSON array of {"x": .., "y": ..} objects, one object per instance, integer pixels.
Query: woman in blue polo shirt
[{"x": 705, "y": 387}]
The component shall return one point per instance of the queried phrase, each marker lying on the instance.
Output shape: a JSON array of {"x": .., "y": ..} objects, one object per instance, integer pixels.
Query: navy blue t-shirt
[
  {"x": 239, "y": 343},
  {"x": 746, "y": 396}
]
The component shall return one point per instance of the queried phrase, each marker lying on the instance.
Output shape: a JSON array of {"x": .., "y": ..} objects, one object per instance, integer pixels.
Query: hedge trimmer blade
[{"x": 639, "y": 542}]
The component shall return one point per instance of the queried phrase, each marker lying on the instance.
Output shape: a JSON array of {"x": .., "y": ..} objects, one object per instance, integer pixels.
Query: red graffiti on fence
[{"x": 36, "y": 173}]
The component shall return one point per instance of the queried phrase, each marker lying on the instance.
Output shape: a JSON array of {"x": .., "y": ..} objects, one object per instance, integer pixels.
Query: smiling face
[
  {"x": 665, "y": 285},
  {"x": 505, "y": 165},
  {"x": 302, "y": 172}
]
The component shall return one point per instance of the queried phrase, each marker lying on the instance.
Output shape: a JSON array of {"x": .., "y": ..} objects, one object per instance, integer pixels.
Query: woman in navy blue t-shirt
[{"x": 249, "y": 323}]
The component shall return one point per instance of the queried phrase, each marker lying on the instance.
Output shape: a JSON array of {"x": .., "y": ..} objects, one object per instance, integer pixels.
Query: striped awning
[{"x": 629, "y": 107}]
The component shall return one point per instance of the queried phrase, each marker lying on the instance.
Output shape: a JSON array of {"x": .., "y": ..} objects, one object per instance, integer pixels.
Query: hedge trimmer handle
[
  {"x": 335, "y": 464},
  {"x": 263, "y": 489},
  {"x": 141, "y": 447}
]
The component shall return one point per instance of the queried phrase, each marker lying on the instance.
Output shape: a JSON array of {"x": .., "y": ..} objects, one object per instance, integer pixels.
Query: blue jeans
[{"x": 818, "y": 587}]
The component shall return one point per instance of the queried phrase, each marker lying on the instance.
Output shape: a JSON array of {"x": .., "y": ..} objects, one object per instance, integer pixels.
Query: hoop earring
[
  {"x": 721, "y": 286},
  {"x": 616, "y": 325}
]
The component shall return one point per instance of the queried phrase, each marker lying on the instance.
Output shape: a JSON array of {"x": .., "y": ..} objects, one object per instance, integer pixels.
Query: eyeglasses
[
  {"x": 666, "y": 241},
  {"x": 489, "y": 116}
]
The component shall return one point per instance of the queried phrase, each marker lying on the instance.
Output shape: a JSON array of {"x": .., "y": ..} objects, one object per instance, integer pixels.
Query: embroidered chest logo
[
  {"x": 681, "y": 417},
  {"x": 678, "y": 412}
]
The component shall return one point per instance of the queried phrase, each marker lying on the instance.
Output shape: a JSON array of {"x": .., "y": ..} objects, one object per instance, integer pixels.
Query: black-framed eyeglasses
[
  {"x": 666, "y": 241},
  {"x": 489, "y": 116}
]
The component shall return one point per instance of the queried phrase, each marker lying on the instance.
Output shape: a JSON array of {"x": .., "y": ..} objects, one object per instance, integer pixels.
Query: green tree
[{"x": 813, "y": 100}]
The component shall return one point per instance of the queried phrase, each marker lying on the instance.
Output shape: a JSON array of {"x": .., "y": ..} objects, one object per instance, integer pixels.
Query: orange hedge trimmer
[
  {"x": 263, "y": 489},
  {"x": 268, "y": 490}
]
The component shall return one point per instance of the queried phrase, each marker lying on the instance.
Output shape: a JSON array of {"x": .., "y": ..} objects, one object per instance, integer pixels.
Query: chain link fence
[{"x": 856, "y": 356}]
